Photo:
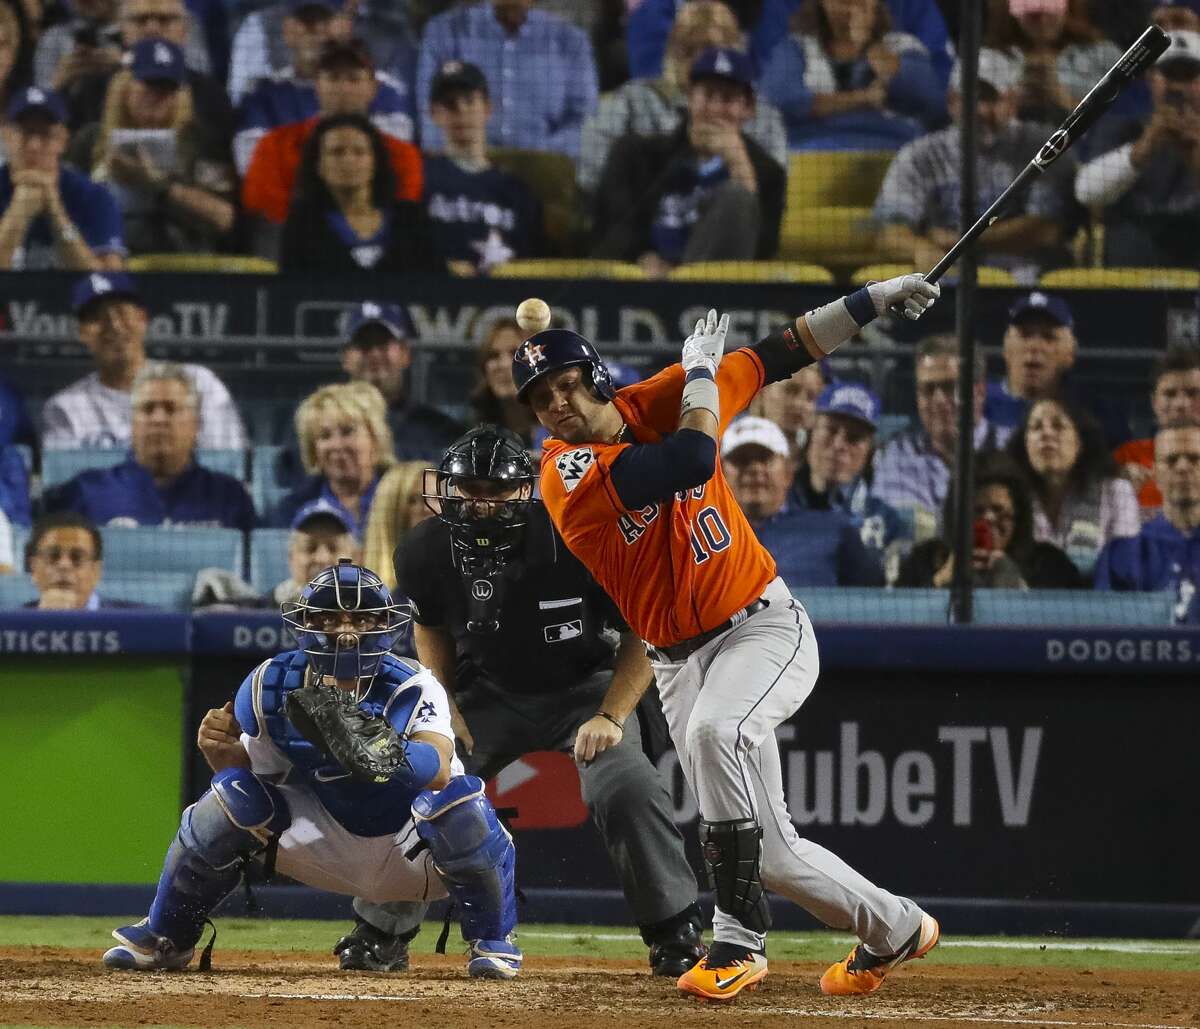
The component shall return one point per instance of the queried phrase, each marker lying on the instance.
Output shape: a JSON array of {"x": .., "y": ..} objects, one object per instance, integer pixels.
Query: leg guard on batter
[
  {"x": 236, "y": 818},
  {"x": 475, "y": 857},
  {"x": 732, "y": 857}
]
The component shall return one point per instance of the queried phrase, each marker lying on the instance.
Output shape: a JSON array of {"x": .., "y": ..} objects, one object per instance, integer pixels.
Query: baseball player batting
[{"x": 633, "y": 483}]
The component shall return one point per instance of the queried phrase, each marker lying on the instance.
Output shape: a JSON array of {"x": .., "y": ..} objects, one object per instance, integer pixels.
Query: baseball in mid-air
[{"x": 533, "y": 315}]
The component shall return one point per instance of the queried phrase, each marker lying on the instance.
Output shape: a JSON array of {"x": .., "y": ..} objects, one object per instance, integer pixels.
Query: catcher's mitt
[{"x": 363, "y": 744}]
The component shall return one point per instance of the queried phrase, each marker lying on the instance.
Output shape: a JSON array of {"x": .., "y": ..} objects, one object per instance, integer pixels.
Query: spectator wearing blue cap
[
  {"x": 1165, "y": 555},
  {"x": 53, "y": 217},
  {"x": 95, "y": 411},
  {"x": 378, "y": 350},
  {"x": 835, "y": 472},
  {"x": 311, "y": 29},
  {"x": 160, "y": 483},
  {"x": 810, "y": 547},
  {"x": 321, "y": 533},
  {"x": 481, "y": 215},
  {"x": 844, "y": 80},
  {"x": 657, "y": 104},
  {"x": 706, "y": 192},
  {"x": 1039, "y": 352},
  {"x": 172, "y": 176},
  {"x": 540, "y": 69}
]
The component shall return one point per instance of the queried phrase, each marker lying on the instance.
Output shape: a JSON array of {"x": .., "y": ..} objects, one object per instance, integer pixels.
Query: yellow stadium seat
[
  {"x": 842, "y": 237},
  {"x": 878, "y": 272},
  {"x": 227, "y": 264},
  {"x": 551, "y": 177},
  {"x": 836, "y": 178},
  {"x": 567, "y": 268},
  {"x": 1122, "y": 278},
  {"x": 752, "y": 271}
]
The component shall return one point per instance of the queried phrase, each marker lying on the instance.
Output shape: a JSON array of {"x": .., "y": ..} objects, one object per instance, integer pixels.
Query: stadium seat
[
  {"x": 866, "y": 606},
  {"x": 1071, "y": 607},
  {"x": 551, "y": 177},
  {"x": 268, "y": 558},
  {"x": 1122, "y": 278},
  {"x": 20, "y": 536},
  {"x": 223, "y": 264},
  {"x": 168, "y": 590},
  {"x": 752, "y": 271},
  {"x": 59, "y": 466},
  {"x": 265, "y": 487},
  {"x": 891, "y": 424},
  {"x": 565, "y": 268},
  {"x": 16, "y": 591},
  {"x": 171, "y": 549},
  {"x": 836, "y": 178},
  {"x": 988, "y": 276},
  {"x": 840, "y": 237}
]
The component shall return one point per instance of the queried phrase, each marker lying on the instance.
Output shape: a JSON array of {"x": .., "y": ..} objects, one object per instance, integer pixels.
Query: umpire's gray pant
[{"x": 624, "y": 793}]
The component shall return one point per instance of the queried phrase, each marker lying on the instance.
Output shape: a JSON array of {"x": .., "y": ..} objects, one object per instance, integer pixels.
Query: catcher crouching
[{"x": 339, "y": 756}]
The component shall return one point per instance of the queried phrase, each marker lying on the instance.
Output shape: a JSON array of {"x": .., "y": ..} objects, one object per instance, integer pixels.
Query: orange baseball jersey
[{"x": 674, "y": 568}]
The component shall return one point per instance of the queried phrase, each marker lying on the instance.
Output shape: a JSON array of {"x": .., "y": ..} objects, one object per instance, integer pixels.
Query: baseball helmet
[
  {"x": 491, "y": 455},
  {"x": 342, "y": 591},
  {"x": 552, "y": 349}
]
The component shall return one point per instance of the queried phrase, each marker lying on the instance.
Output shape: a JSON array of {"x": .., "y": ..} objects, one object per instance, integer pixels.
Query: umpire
[{"x": 523, "y": 640}]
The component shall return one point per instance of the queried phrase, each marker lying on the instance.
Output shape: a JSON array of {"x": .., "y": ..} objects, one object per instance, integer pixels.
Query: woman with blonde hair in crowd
[
  {"x": 651, "y": 107},
  {"x": 346, "y": 447},
  {"x": 172, "y": 175},
  {"x": 399, "y": 505}
]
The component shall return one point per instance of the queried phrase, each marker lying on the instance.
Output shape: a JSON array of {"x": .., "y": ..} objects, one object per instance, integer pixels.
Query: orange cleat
[
  {"x": 862, "y": 972},
  {"x": 724, "y": 973}
]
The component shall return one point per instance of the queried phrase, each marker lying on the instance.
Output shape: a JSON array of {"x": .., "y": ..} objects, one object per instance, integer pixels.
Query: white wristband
[
  {"x": 832, "y": 325},
  {"x": 700, "y": 394}
]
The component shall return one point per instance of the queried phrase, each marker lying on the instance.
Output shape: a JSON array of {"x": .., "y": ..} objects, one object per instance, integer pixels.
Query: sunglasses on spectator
[
  {"x": 77, "y": 556},
  {"x": 151, "y": 17}
]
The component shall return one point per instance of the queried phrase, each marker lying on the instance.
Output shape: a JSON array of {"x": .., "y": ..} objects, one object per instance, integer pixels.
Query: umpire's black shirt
[{"x": 551, "y": 616}]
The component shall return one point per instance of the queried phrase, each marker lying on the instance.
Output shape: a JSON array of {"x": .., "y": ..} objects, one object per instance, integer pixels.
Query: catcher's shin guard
[
  {"x": 235, "y": 819},
  {"x": 732, "y": 855},
  {"x": 475, "y": 857}
]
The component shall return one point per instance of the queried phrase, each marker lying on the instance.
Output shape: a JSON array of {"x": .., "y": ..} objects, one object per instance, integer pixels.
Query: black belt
[{"x": 682, "y": 651}]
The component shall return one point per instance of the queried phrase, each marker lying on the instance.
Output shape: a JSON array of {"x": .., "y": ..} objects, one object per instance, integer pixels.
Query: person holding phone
[
  {"x": 1004, "y": 554},
  {"x": 88, "y": 43}
]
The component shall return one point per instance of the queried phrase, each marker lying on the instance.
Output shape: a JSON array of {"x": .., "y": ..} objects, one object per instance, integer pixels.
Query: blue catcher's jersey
[{"x": 404, "y": 693}]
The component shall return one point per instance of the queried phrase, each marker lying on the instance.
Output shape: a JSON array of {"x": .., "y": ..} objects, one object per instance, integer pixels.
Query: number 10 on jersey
[{"x": 709, "y": 535}]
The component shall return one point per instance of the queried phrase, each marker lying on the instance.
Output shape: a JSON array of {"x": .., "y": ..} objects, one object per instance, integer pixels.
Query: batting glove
[
  {"x": 910, "y": 295},
  {"x": 705, "y": 347}
]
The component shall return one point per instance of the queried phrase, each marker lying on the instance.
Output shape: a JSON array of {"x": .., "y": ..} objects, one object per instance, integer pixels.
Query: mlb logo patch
[
  {"x": 564, "y": 631},
  {"x": 573, "y": 465}
]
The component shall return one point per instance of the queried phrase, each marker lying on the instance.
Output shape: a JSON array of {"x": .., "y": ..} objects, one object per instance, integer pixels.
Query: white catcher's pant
[
  {"x": 318, "y": 851},
  {"x": 722, "y": 705}
]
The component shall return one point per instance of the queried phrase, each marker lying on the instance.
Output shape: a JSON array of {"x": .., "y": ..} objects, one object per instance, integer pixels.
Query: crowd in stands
[{"x": 441, "y": 136}]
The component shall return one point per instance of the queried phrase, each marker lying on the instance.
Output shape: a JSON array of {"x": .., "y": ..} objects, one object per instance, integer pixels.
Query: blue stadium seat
[
  {"x": 268, "y": 558},
  {"x": 16, "y": 591},
  {"x": 20, "y": 536},
  {"x": 867, "y": 606},
  {"x": 265, "y": 487},
  {"x": 167, "y": 590},
  {"x": 1071, "y": 607},
  {"x": 891, "y": 424},
  {"x": 152, "y": 549},
  {"x": 61, "y": 465}
]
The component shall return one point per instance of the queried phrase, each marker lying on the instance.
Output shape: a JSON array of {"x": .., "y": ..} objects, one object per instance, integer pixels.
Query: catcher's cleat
[
  {"x": 494, "y": 959},
  {"x": 367, "y": 949},
  {"x": 675, "y": 954},
  {"x": 141, "y": 950},
  {"x": 862, "y": 972},
  {"x": 724, "y": 973}
]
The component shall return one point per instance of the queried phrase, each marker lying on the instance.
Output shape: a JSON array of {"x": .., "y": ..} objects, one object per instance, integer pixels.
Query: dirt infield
[{"x": 56, "y": 987}]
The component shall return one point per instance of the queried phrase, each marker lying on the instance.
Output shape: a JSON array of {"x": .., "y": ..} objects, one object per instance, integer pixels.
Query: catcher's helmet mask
[
  {"x": 552, "y": 349},
  {"x": 467, "y": 491},
  {"x": 345, "y": 621}
]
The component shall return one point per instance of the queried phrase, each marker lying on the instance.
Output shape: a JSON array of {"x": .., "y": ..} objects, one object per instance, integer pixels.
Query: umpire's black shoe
[
  {"x": 672, "y": 955},
  {"x": 367, "y": 949}
]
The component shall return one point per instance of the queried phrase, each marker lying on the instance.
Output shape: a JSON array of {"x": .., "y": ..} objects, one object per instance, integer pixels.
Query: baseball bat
[{"x": 1149, "y": 46}]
